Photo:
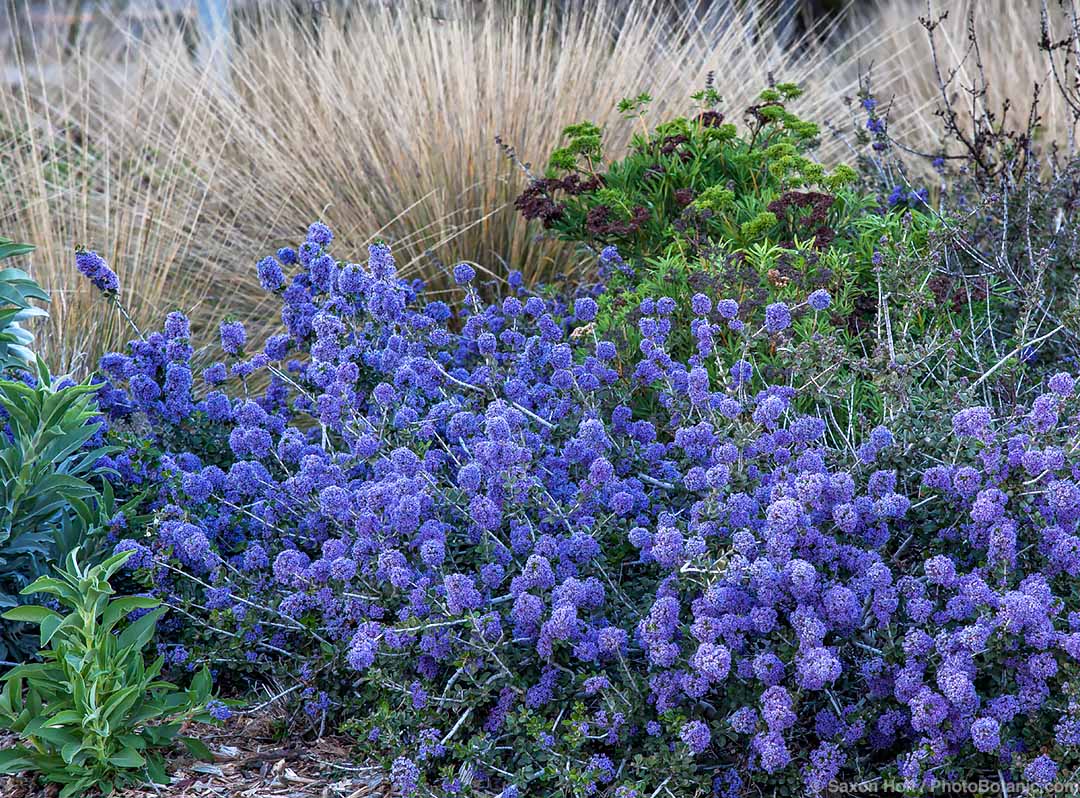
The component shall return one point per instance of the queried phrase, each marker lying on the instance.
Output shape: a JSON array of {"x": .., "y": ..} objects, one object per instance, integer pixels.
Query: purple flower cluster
[
  {"x": 93, "y": 267},
  {"x": 904, "y": 197},
  {"x": 479, "y": 517}
]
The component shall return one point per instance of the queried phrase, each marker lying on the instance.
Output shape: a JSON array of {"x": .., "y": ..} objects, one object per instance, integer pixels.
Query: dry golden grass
[
  {"x": 78, "y": 168},
  {"x": 397, "y": 114},
  {"x": 1007, "y": 31},
  {"x": 383, "y": 125}
]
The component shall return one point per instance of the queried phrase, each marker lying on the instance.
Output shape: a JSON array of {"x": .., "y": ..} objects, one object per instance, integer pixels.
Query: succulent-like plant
[
  {"x": 52, "y": 490},
  {"x": 93, "y": 713},
  {"x": 17, "y": 290}
]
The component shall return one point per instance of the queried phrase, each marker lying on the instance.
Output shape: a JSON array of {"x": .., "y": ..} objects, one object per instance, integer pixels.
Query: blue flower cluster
[
  {"x": 503, "y": 530},
  {"x": 902, "y": 196},
  {"x": 93, "y": 267}
]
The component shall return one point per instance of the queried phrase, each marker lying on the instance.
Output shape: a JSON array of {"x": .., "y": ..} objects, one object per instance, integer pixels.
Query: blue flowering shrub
[{"x": 447, "y": 527}]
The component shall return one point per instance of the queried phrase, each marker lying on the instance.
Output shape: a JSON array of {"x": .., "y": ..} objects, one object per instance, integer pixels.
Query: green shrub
[
  {"x": 695, "y": 185},
  {"x": 697, "y": 206},
  {"x": 1006, "y": 193},
  {"x": 93, "y": 714},
  {"x": 52, "y": 491},
  {"x": 16, "y": 291}
]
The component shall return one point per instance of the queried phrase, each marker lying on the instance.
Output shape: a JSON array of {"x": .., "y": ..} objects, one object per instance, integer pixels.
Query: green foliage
[
  {"x": 696, "y": 187},
  {"x": 52, "y": 491},
  {"x": 92, "y": 713},
  {"x": 16, "y": 292},
  {"x": 698, "y": 205}
]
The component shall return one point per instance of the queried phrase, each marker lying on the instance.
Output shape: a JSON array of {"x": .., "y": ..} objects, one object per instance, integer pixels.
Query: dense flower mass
[{"x": 538, "y": 561}]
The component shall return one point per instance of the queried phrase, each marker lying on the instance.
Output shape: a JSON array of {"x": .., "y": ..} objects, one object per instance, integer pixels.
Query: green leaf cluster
[
  {"x": 690, "y": 165},
  {"x": 52, "y": 486},
  {"x": 92, "y": 713},
  {"x": 17, "y": 290},
  {"x": 744, "y": 212}
]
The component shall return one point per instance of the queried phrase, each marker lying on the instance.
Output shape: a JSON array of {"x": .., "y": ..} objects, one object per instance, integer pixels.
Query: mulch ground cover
[{"x": 248, "y": 763}]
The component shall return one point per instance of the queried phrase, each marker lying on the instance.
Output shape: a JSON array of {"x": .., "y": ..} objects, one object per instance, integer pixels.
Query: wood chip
[
  {"x": 250, "y": 761},
  {"x": 204, "y": 767}
]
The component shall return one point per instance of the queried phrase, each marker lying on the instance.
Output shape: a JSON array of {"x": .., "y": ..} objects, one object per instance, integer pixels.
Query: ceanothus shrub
[{"x": 507, "y": 566}]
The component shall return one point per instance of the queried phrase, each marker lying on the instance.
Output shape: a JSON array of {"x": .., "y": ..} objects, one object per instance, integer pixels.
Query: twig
[{"x": 1019, "y": 348}]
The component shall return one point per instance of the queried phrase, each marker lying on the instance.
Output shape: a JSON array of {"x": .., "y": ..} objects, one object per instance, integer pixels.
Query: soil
[{"x": 248, "y": 763}]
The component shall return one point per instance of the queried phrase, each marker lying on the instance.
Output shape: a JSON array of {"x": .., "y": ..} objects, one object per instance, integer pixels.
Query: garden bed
[
  {"x": 249, "y": 762},
  {"x": 774, "y": 491}
]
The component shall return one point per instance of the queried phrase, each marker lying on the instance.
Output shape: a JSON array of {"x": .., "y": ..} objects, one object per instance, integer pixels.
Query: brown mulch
[{"x": 248, "y": 763}]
